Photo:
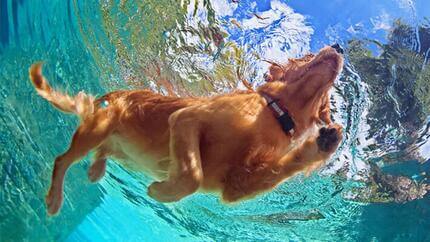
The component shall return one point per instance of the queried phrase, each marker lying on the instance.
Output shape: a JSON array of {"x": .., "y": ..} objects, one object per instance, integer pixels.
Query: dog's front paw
[
  {"x": 329, "y": 138},
  {"x": 53, "y": 201}
]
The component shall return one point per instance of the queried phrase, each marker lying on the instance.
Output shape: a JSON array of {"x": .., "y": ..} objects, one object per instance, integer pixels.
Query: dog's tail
[{"x": 81, "y": 105}]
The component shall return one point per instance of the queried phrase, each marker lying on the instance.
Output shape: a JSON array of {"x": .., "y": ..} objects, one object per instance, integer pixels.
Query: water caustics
[{"x": 374, "y": 188}]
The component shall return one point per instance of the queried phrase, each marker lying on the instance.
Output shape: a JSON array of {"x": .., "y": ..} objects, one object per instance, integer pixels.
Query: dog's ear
[{"x": 276, "y": 73}]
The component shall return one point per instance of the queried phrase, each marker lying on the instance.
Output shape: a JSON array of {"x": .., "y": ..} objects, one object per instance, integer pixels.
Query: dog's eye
[{"x": 308, "y": 57}]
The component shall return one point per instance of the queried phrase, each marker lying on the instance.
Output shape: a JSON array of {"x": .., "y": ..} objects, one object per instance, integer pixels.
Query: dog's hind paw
[
  {"x": 329, "y": 138},
  {"x": 53, "y": 202}
]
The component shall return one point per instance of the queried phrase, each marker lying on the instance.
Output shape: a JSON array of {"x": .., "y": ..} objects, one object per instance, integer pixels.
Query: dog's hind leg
[
  {"x": 90, "y": 134},
  {"x": 185, "y": 170},
  {"x": 98, "y": 167}
]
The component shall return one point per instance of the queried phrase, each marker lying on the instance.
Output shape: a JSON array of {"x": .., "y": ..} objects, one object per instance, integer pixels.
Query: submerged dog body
[{"x": 229, "y": 144}]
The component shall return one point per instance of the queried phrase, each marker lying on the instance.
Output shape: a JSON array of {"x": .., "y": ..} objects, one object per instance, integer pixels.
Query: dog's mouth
[{"x": 328, "y": 63}]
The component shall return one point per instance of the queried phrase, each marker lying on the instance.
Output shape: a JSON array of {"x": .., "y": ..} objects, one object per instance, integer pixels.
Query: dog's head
[{"x": 306, "y": 82}]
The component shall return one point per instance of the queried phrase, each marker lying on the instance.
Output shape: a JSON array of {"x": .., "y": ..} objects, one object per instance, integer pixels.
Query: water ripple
[{"x": 196, "y": 47}]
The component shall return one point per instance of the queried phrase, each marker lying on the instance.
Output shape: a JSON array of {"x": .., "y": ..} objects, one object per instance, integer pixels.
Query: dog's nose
[{"x": 337, "y": 48}]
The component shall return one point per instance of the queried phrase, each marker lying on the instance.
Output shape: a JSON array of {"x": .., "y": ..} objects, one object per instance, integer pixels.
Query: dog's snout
[{"x": 337, "y": 48}]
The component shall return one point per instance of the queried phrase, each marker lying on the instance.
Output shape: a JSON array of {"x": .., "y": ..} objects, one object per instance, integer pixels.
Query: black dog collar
[{"x": 281, "y": 114}]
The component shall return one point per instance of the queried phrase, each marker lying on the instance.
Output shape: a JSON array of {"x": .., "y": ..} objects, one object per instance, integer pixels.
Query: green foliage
[{"x": 422, "y": 89}]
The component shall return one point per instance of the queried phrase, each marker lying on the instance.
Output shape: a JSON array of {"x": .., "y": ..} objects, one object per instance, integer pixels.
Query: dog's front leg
[
  {"x": 313, "y": 152},
  {"x": 185, "y": 171}
]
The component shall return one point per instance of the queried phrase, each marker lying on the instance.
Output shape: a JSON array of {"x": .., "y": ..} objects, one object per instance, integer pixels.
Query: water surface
[{"x": 373, "y": 189}]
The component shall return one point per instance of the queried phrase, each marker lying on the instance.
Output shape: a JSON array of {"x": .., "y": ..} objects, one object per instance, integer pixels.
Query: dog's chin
[
  {"x": 326, "y": 70},
  {"x": 328, "y": 64},
  {"x": 330, "y": 60}
]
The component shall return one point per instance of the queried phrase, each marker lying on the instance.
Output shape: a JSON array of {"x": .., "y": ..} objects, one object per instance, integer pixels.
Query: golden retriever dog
[{"x": 235, "y": 145}]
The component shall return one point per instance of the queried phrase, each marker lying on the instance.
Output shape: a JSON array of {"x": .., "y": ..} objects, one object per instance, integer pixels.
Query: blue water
[{"x": 373, "y": 189}]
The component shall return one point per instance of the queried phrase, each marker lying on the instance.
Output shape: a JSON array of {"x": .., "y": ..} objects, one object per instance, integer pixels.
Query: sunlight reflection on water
[{"x": 204, "y": 48}]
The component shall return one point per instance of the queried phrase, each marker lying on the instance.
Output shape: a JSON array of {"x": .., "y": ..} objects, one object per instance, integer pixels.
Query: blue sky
[{"x": 341, "y": 19}]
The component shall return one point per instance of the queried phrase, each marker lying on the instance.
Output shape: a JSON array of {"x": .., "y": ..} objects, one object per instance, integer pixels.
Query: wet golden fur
[{"x": 229, "y": 144}]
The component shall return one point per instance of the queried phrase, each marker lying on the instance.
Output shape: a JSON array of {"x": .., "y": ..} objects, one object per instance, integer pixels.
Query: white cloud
[
  {"x": 382, "y": 22},
  {"x": 278, "y": 33},
  {"x": 409, "y": 5},
  {"x": 223, "y": 8}
]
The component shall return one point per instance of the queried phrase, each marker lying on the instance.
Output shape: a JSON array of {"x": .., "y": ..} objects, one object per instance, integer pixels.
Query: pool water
[{"x": 373, "y": 189}]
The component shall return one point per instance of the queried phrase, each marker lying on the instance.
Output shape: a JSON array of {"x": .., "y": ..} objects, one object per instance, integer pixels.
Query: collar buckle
[{"x": 281, "y": 114}]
